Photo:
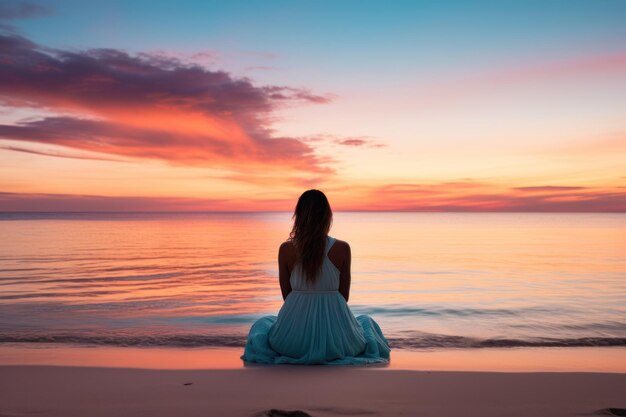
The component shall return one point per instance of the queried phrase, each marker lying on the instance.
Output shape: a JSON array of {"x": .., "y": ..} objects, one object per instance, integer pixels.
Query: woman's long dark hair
[{"x": 312, "y": 220}]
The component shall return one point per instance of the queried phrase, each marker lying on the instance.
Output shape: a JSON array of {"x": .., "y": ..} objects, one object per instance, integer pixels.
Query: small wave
[
  {"x": 192, "y": 340},
  {"x": 447, "y": 341},
  {"x": 401, "y": 311},
  {"x": 426, "y": 341}
]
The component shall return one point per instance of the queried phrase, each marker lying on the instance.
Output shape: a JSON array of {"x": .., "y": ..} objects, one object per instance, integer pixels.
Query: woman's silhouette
[{"x": 315, "y": 324}]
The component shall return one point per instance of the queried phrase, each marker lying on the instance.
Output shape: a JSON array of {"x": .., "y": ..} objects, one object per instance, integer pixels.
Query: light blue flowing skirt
[{"x": 316, "y": 328}]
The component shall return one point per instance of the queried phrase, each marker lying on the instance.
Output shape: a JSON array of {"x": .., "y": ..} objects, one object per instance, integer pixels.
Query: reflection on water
[{"x": 432, "y": 280}]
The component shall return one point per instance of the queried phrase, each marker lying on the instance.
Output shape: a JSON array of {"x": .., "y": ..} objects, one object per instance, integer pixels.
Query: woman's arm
[
  {"x": 284, "y": 273},
  {"x": 345, "y": 275}
]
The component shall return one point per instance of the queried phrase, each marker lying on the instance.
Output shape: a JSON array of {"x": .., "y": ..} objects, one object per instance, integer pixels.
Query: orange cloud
[{"x": 150, "y": 107}]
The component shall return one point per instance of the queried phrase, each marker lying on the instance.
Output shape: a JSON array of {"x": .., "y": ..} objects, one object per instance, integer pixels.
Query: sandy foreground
[{"x": 67, "y": 391}]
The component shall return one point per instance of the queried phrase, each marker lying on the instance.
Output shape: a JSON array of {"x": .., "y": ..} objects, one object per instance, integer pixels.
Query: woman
[{"x": 315, "y": 325}]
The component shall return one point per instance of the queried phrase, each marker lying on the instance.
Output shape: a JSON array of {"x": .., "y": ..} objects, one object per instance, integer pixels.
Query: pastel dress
[{"x": 315, "y": 326}]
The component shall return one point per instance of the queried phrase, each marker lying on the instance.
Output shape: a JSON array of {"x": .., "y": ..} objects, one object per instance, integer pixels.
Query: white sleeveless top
[{"x": 327, "y": 279}]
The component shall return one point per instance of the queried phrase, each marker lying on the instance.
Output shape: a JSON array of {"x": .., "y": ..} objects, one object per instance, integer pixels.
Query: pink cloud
[
  {"x": 46, "y": 202},
  {"x": 360, "y": 141},
  {"x": 549, "y": 188},
  {"x": 475, "y": 196},
  {"x": 352, "y": 141},
  {"x": 459, "y": 196}
]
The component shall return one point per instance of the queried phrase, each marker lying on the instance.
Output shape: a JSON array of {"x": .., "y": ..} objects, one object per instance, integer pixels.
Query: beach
[
  {"x": 318, "y": 391},
  {"x": 104, "y": 381}
]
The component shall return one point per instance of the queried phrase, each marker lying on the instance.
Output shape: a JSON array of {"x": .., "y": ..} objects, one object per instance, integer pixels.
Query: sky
[{"x": 243, "y": 105}]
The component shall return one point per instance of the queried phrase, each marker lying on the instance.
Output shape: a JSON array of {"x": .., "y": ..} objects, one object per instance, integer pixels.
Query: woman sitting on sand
[{"x": 315, "y": 324}]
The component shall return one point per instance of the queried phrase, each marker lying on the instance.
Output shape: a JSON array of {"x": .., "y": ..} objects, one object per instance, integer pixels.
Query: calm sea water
[{"x": 431, "y": 280}]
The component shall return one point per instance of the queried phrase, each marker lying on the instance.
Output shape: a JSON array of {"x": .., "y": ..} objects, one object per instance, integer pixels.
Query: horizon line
[{"x": 291, "y": 211}]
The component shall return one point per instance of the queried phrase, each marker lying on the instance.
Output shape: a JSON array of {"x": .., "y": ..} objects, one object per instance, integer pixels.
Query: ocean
[{"x": 431, "y": 280}]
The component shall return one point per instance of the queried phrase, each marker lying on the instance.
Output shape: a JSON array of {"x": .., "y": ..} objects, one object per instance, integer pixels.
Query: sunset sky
[{"x": 242, "y": 105}]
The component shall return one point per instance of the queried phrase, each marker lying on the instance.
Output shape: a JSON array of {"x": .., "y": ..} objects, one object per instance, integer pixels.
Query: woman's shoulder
[
  {"x": 340, "y": 246},
  {"x": 339, "y": 253},
  {"x": 287, "y": 247},
  {"x": 287, "y": 253}
]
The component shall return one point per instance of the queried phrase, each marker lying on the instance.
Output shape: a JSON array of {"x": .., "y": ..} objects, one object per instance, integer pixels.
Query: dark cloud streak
[
  {"x": 16, "y": 9},
  {"x": 56, "y": 154}
]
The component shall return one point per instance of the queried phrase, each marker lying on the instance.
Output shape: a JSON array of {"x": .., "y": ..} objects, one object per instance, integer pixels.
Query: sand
[{"x": 67, "y": 391}]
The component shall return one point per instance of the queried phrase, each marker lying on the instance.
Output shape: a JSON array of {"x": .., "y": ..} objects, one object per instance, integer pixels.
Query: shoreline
[
  {"x": 536, "y": 359},
  {"x": 67, "y": 391}
]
